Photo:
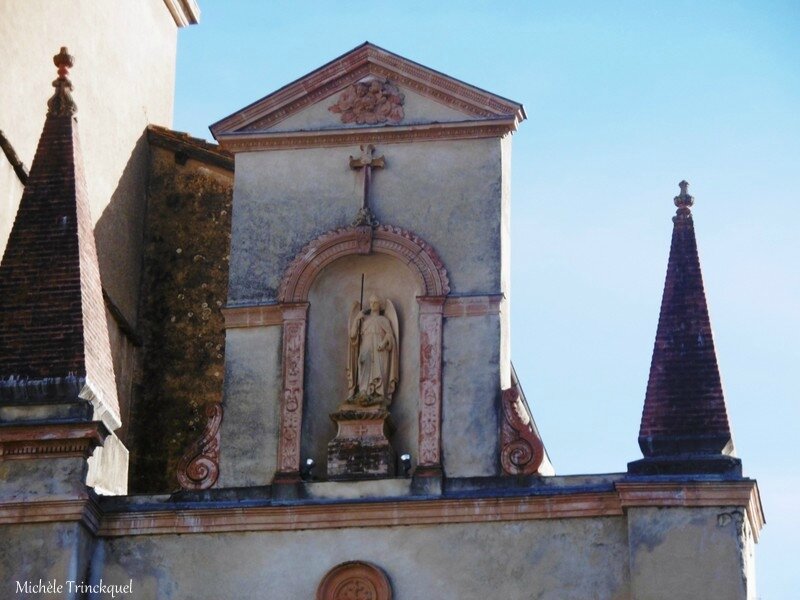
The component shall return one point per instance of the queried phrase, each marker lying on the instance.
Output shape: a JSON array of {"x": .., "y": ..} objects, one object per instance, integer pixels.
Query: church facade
[{"x": 364, "y": 434}]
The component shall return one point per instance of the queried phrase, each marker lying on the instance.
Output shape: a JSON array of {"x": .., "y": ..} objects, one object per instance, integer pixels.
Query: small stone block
[{"x": 361, "y": 449}]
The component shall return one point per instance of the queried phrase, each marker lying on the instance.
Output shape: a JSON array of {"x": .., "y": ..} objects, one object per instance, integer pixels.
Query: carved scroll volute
[
  {"x": 199, "y": 467},
  {"x": 521, "y": 452}
]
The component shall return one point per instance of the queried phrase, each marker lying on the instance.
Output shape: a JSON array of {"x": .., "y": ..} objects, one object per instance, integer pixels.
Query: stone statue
[{"x": 373, "y": 355}]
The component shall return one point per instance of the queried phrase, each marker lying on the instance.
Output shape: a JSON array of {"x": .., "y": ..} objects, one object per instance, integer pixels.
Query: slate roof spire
[
  {"x": 54, "y": 345},
  {"x": 684, "y": 424}
]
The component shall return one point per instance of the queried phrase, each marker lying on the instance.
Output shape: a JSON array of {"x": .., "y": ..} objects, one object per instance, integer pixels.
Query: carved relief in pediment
[{"x": 370, "y": 103}]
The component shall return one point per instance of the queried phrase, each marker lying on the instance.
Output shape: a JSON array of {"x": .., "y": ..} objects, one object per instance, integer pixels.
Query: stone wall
[
  {"x": 184, "y": 286},
  {"x": 453, "y": 195}
]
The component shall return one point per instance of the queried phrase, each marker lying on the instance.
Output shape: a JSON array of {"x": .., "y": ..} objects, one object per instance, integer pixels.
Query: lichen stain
[{"x": 184, "y": 286}]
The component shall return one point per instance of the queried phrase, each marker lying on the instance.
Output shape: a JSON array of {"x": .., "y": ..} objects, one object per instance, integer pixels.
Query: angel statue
[{"x": 373, "y": 354}]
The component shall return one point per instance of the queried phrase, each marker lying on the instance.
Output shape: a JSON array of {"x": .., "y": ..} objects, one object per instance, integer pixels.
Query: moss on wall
[{"x": 184, "y": 286}]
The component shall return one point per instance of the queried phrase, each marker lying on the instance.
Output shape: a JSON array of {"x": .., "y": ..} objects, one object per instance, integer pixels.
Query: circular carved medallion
[{"x": 355, "y": 580}]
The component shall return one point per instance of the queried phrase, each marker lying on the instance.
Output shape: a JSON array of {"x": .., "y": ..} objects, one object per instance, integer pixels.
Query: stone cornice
[
  {"x": 669, "y": 494},
  {"x": 363, "y": 514},
  {"x": 54, "y": 510},
  {"x": 207, "y": 517},
  {"x": 184, "y": 12},
  {"x": 51, "y": 440},
  {"x": 291, "y": 140},
  {"x": 268, "y": 315}
]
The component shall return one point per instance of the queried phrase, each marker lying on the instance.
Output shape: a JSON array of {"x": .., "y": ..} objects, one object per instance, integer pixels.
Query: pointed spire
[
  {"x": 684, "y": 424},
  {"x": 54, "y": 345}
]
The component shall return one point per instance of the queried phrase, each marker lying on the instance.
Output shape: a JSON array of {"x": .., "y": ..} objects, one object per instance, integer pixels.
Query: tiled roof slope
[
  {"x": 52, "y": 315},
  {"x": 684, "y": 410},
  {"x": 186, "y": 146}
]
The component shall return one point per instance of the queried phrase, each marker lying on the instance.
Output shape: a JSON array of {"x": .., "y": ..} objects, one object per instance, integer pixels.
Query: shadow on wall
[
  {"x": 184, "y": 285},
  {"x": 118, "y": 235}
]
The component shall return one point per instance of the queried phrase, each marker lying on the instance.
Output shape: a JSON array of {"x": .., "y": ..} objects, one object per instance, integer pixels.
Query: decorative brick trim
[
  {"x": 294, "y": 351},
  {"x": 198, "y": 469},
  {"x": 412, "y": 511},
  {"x": 53, "y": 510},
  {"x": 354, "y": 580},
  {"x": 430, "y": 385},
  {"x": 521, "y": 450},
  {"x": 473, "y": 306},
  {"x": 722, "y": 493},
  {"x": 293, "y": 294},
  {"x": 404, "y": 245},
  {"x": 253, "y": 316},
  {"x": 59, "y": 440},
  {"x": 461, "y": 130},
  {"x": 349, "y": 68},
  {"x": 362, "y": 514}
]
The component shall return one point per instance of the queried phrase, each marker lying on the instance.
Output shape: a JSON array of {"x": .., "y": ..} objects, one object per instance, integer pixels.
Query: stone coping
[{"x": 326, "y": 505}]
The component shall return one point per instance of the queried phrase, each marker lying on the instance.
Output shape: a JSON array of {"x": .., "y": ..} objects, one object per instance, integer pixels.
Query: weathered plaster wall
[
  {"x": 455, "y": 196},
  {"x": 689, "y": 553},
  {"x": 470, "y": 395},
  {"x": 46, "y": 551},
  {"x": 448, "y": 192},
  {"x": 253, "y": 384},
  {"x": 564, "y": 559},
  {"x": 184, "y": 286},
  {"x": 31, "y": 480}
]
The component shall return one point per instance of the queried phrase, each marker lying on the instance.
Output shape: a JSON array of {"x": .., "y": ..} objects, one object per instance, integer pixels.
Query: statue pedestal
[{"x": 361, "y": 448}]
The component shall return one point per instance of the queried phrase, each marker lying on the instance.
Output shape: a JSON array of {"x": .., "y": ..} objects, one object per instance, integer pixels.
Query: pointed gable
[
  {"x": 53, "y": 332},
  {"x": 684, "y": 410},
  {"x": 365, "y": 93}
]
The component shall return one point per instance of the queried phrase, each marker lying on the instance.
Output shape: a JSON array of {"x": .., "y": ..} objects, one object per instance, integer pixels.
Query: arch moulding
[
  {"x": 404, "y": 245},
  {"x": 424, "y": 262}
]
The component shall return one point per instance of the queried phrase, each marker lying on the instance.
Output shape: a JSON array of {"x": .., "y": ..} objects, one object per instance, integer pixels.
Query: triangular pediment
[{"x": 368, "y": 88}]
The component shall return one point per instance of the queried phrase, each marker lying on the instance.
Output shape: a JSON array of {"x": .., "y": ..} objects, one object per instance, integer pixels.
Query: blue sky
[{"x": 624, "y": 99}]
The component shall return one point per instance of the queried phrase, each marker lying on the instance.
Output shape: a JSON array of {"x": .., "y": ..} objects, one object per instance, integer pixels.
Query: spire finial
[
  {"x": 61, "y": 103},
  {"x": 683, "y": 201}
]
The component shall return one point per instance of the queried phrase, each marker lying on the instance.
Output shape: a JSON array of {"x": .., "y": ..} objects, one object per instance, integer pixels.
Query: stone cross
[{"x": 367, "y": 162}]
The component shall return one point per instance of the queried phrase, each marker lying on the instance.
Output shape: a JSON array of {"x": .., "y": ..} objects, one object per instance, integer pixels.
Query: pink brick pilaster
[
  {"x": 430, "y": 385},
  {"x": 294, "y": 345}
]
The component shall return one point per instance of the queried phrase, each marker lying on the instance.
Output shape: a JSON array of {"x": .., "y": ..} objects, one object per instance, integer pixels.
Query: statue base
[{"x": 361, "y": 448}]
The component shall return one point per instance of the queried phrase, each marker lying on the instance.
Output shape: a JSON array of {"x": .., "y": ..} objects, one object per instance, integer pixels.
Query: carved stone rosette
[
  {"x": 430, "y": 385},
  {"x": 370, "y": 103},
  {"x": 521, "y": 450},
  {"x": 355, "y": 580},
  {"x": 198, "y": 469}
]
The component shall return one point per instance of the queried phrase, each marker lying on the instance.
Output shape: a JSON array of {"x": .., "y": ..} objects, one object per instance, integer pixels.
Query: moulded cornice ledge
[
  {"x": 185, "y": 12},
  {"x": 281, "y": 140}
]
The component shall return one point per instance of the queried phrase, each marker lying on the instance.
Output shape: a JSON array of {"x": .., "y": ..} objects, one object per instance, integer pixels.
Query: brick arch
[
  {"x": 404, "y": 245},
  {"x": 425, "y": 263}
]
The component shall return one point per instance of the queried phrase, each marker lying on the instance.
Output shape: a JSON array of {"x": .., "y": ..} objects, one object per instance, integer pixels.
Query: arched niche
[
  {"x": 430, "y": 281},
  {"x": 330, "y": 298}
]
